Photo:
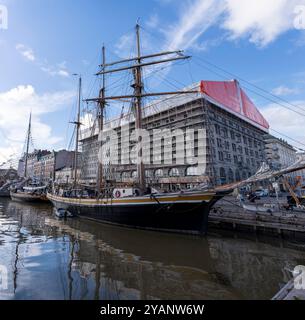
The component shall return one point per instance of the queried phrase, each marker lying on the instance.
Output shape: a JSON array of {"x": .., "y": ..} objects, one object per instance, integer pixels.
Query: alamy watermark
[
  {"x": 154, "y": 147},
  {"x": 3, "y": 278},
  {"x": 299, "y": 21},
  {"x": 3, "y": 17},
  {"x": 299, "y": 277}
]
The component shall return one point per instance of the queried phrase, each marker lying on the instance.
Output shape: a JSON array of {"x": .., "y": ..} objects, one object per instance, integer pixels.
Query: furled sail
[{"x": 265, "y": 173}]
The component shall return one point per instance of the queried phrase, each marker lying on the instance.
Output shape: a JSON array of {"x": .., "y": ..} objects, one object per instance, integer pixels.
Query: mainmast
[
  {"x": 27, "y": 147},
  {"x": 77, "y": 125},
  {"x": 138, "y": 112},
  {"x": 138, "y": 95},
  {"x": 101, "y": 103}
]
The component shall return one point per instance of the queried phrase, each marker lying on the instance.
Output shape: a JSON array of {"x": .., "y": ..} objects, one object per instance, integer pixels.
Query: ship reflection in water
[{"x": 78, "y": 259}]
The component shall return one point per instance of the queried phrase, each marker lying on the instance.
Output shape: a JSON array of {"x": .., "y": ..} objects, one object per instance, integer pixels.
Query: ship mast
[
  {"x": 101, "y": 119},
  {"x": 77, "y": 125},
  {"x": 138, "y": 111},
  {"x": 139, "y": 92},
  {"x": 27, "y": 147}
]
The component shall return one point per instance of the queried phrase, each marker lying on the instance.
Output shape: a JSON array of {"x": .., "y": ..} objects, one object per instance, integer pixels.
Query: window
[
  {"x": 159, "y": 173},
  {"x": 219, "y": 143},
  {"x": 125, "y": 175},
  {"x": 234, "y": 147},
  {"x": 223, "y": 176},
  {"x": 148, "y": 173},
  {"x": 220, "y": 156},
  {"x": 250, "y": 143},
  {"x": 225, "y": 133},
  {"x": 231, "y": 176},
  {"x": 237, "y": 175},
  {"x": 174, "y": 172},
  {"x": 192, "y": 171}
]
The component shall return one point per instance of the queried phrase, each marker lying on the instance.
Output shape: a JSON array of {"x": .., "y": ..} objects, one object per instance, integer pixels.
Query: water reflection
[{"x": 79, "y": 259}]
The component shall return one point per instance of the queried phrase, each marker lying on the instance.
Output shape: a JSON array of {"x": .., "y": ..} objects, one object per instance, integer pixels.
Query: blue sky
[{"x": 48, "y": 40}]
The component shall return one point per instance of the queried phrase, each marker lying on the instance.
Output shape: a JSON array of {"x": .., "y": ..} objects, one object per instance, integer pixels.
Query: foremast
[
  {"x": 27, "y": 147},
  {"x": 77, "y": 124}
]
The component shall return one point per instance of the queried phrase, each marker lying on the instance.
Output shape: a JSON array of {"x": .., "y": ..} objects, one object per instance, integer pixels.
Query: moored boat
[
  {"x": 30, "y": 194},
  {"x": 184, "y": 212}
]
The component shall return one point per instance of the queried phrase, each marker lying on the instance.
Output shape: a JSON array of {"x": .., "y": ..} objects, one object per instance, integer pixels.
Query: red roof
[{"x": 233, "y": 98}]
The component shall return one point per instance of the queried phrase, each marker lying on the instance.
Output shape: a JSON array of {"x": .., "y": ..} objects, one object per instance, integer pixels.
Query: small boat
[
  {"x": 30, "y": 194},
  {"x": 258, "y": 208},
  {"x": 63, "y": 213}
]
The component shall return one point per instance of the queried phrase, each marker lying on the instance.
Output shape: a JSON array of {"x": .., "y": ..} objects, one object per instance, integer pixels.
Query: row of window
[{"x": 159, "y": 173}]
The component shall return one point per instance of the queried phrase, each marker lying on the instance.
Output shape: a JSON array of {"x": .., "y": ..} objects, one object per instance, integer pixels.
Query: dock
[{"x": 229, "y": 215}]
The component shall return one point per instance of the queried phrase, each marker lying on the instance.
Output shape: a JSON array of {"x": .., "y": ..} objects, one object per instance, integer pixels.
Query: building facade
[
  {"x": 66, "y": 175},
  {"x": 43, "y": 164},
  {"x": 222, "y": 118},
  {"x": 280, "y": 154}
]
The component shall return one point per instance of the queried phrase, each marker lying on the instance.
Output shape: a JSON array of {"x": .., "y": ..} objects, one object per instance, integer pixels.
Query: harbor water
[{"x": 47, "y": 258}]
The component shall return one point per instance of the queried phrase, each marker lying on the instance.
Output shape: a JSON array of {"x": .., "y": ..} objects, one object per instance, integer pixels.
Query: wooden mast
[
  {"x": 101, "y": 103},
  {"x": 138, "y": 113},
  {"x": 77, "y": 125},
  {"x": 27, "y": 147}
]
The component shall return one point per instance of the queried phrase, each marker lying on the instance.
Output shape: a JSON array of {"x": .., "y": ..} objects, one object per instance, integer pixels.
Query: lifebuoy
[{"x": 118, "y": 194}]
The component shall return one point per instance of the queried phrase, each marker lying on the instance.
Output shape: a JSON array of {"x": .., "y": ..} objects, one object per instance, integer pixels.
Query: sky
[{"x": 262, "y": 43}]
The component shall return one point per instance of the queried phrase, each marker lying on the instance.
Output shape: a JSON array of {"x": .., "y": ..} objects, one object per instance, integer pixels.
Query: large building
[
  {"x": 42, "y": 165},
  {"x": 234, "y": 127},
  {"x": 279, "y": 153}
]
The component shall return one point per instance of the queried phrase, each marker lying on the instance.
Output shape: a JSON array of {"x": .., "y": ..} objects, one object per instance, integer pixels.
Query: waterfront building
[
  {"x": 32, "y": 160},
  {"x": 301, "y": 174},
  {"x": 280, "y": 154},
  {"x": 234, "y": 127},
  {"x": 42, "y": 164},
  {"x": 66, "y": 175}
]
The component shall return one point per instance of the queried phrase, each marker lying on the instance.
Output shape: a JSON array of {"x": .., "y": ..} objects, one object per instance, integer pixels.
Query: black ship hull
[{"x": 183, "y": 217}]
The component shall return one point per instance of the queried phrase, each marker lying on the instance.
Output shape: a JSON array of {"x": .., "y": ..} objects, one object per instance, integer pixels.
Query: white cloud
[
  {"x": 153, "y": 21},
  {"x": 59, "y": 70},
  {"x": 286, "y": 122},
  {"x": 195, "y": 19},
  {"x": 261, "y": 21},
  {"x": 16, "y": 105},
  {"x": 26, "y": 52},
  {"x": 54, "y": 71},
  {"x": 284, "y": 91}
]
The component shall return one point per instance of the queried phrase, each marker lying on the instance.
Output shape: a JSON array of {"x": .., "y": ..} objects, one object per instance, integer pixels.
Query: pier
[{"x": 229, "y": 215}]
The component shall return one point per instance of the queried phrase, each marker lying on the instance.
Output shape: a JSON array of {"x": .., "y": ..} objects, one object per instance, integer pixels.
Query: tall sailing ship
[
  {"x": 139, "y": 206},
  {"x": 25, "y": 191}
]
